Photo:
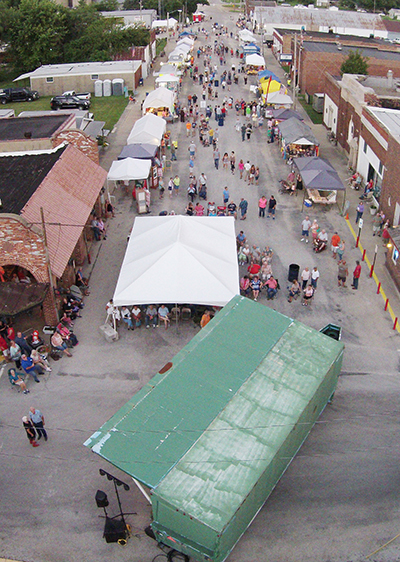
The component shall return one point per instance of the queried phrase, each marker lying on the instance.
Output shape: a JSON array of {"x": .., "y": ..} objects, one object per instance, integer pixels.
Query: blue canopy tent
[{"x": 266, "y": 74}]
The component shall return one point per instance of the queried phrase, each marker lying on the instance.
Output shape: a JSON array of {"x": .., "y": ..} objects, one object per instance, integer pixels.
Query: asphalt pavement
[{"x": 338, "y": 501}]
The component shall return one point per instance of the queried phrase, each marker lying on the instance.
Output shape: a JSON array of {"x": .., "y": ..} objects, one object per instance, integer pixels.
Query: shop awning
[{"x": 21, "y": 297}]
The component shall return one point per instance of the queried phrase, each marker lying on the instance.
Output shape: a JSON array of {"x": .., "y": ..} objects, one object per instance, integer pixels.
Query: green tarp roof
[{"x": 148, "y": 436}]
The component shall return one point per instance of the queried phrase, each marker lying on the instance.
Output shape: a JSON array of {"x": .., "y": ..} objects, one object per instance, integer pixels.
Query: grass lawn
[
  {"x": 107, "y": 109},
  {"x": 160, "y": 46},
  {"x": 315, "y": 117}
]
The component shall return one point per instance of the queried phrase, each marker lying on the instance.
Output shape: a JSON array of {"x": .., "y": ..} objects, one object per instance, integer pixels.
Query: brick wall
[
  {"x": 315, "y": 64},
  {"x": 346, "y": 113},
  {"x": 370, "y": 137},
  {"x": 81, "y": 140},
  {"x": 390, "y": 193},
  {"x": 23, "y": 246}
]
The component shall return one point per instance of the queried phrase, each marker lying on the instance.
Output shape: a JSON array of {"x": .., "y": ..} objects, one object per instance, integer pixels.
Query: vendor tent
[
  {"x": 141, "y": 151},
  {"x": 171, "y": 23},
  {"x": 149, "y": 129},
  {"x": 179, "y": 259},
  {"x": 269, "y": 86},
  {"x": 284, "y": 114},
  {"x": 168, "y": 69},
  {"x": 159, "y": 99},
  {"x": 276, "y": 98},
  {"x": 186, "y": 41},
  {"x": 129, "y": 169},
  {"x": 246, "y": 36},
  {"x": 296, "y": 132},
  {"x": 318, "y": 173},
  {"x": 255, "y": 60},
  {"x": 267, "y": 74}
]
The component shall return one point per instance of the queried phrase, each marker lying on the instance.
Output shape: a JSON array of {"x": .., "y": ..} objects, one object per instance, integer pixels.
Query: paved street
[{"x": 339, "y": 499}]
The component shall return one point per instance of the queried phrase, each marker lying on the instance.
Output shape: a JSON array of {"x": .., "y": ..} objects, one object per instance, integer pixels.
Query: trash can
[
  {"x": 216, "y": 83},
  {"x": 293, "y": 272},
  {"x": 220, "y": 122}
]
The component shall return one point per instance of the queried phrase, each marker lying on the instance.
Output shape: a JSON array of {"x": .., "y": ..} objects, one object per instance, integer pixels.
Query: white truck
[{"x": 85, "y": 96}]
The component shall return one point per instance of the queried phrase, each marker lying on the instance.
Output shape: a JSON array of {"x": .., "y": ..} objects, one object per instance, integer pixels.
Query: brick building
[
  {"x": 320, "y": 57},
  {"x": 63, "y": 184}
]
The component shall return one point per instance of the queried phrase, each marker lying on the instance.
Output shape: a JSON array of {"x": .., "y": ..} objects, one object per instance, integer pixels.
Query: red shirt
[
  {"x": 357, "y": 272},
  {"x": 335, "y": 240},
  {"x": 254, "y": 269}
]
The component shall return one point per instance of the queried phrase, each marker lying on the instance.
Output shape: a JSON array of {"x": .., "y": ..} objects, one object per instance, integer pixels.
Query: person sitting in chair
[
  {"x": 30, "y": 368},
  {"x": 17, "y": 379},
  {"x": 294, "y": 290},
  {"x": 163, "y": 313},
  {"x": 272, "y": 287},
  {"x": 321, "y": 242},
  {"x": 58, "y": 343},
  {"x": 151, "y": 316}
]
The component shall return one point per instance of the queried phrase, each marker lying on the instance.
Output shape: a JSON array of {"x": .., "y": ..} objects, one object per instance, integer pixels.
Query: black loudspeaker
[
  {"x": 101, "y": 499},
  {"x": 114, "y": 530}
]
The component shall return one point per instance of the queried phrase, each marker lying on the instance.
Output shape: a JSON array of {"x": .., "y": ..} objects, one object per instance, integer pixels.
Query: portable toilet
[
  {"x": 107, "y": 88},
  {"x": 118, "y": 87},
  {"x": 98, "y": 89}
]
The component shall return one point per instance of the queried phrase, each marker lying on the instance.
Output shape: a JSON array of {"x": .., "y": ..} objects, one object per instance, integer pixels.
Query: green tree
[
  {"x": 354, "y": 64},
  {"x": 37, "y": 33},
  {"x": 106, "y": 5}
]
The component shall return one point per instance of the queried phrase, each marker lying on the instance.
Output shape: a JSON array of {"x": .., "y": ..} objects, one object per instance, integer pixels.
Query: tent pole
[{"x": 146, "y": 495}]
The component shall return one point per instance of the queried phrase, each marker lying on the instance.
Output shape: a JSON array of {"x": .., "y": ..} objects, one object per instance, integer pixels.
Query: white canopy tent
[
  {"x": 281, "y": 100},
  {"x": 186, "y": 41},
  {"x": 129, "y": 169},
  {"x": 171, "y": 23},
  {"x": 167, "y": 79},
  {"x": 149, "y": 129},
  {"x": 179, "y": 259},
  {"x": 247, "y": 36},
  {"x": 255, "y": 60},
  {"x": 168, "y": 69},
  {"x": 159, "y": 98}
]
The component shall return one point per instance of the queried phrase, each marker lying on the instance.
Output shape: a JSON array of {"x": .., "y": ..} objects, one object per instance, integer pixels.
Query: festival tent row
[{"x": 254, "y": 63}]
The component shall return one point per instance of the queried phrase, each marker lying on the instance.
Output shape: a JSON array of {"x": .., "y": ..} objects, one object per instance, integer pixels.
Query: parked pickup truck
[
  {"x": 86, "y": 96},
  {"x": 17, "y": 94}
]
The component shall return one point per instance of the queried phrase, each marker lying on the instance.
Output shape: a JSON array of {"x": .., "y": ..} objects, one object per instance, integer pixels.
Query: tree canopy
[
  {"x": 42, "y": 32},
  {"x": 355, "y": 63}
]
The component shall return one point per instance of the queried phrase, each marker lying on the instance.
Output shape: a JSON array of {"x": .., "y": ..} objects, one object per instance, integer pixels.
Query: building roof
[
  {"x": 67, "y": 194},
  {"x": 21, "y": 175},
  {"x": 220, "y": 412},
  {"x": 318, "y": 18},
  {"x": 390, "y": 119},
  {"x": 392, "y": 25},
  {"x": 31, "y": 127},
  {"x": 332, "y": 37},
  {"x": 81, "y": 69},
  {"x": 325, "y": 47}
]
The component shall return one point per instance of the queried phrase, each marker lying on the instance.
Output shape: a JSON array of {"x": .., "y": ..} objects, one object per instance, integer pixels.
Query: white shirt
[
  {"x": 315, "y": 274},
  {"x": 306, "y": 224},
  {"x": 247, "y": 166},
  {"x": 305, "y": 275}
]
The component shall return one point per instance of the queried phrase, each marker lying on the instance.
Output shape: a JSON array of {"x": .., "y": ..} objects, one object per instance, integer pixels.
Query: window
[
  {"x": 380, "y": 170},
  {"x": 49, "y": 79},
  {"x": 95, "y": 77},
  {"x": 365, "y": 147}
]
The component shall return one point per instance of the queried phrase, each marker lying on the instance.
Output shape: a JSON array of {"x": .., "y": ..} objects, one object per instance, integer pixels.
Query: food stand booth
[
  {"x": 160, "y": 102},
  {"x": 145, "y": 152},
  {"x": 320, "y": 180},
  {"x": 297, "y": 139},
  {"x": 132, "y": 169}
]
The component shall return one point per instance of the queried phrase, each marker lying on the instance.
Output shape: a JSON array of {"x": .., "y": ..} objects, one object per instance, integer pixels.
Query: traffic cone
[{"x": 347, "y": 216}]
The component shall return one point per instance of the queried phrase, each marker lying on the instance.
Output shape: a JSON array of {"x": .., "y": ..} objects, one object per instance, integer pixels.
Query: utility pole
[
  {"x": 48, "y": 262},
  {"x": 295, "y": 71},
  {"x": 167, "y": 27}
]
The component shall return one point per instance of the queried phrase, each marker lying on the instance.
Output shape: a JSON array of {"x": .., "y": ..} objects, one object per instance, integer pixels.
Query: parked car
[
  {"x": 68, "y": 102},
  {"x": 84, "y": 96},
  {"x": 17, "y": 94}
]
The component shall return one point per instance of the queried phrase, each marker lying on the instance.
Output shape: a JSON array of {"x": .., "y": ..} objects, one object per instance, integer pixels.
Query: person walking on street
[
  {"x": 243, "y": 131},
  {"x": 305, "y": 229},
  {"x": 226, "y": 195},
  {"x": 314, "y": 277},
  {"x": 271, "y": 207},
  {"x": 37, "y": 419},
  {"x": 356, "y": 275},
  {"x": 342, "y": 273},
  {"x": 216, "y": 156},
  {"x": 262, "y": 203},
  {"x": 232, "y": 160},
  {"x": 305, "y": 277},
  {"x": 360, "y": 211},
  {"x": 243, "y": 209},
  {"x": 30, "y": 431},
  {"x": 341, "y": 248}
]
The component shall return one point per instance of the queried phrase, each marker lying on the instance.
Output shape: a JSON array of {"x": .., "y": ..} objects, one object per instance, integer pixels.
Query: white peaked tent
[
  {"x": 255, "y": 60},
  {"x": 179, "y": 259},
  {"x": 168, "y": 69},
  {"x": 161, "y": 97},
  {"x": 129, "y": 169},
  {"x": 186, "y": 41},
  {"x": 247, "y": 36},
  {"x": 149, "y": 129},
  {"x": 277, "y": 98}
]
